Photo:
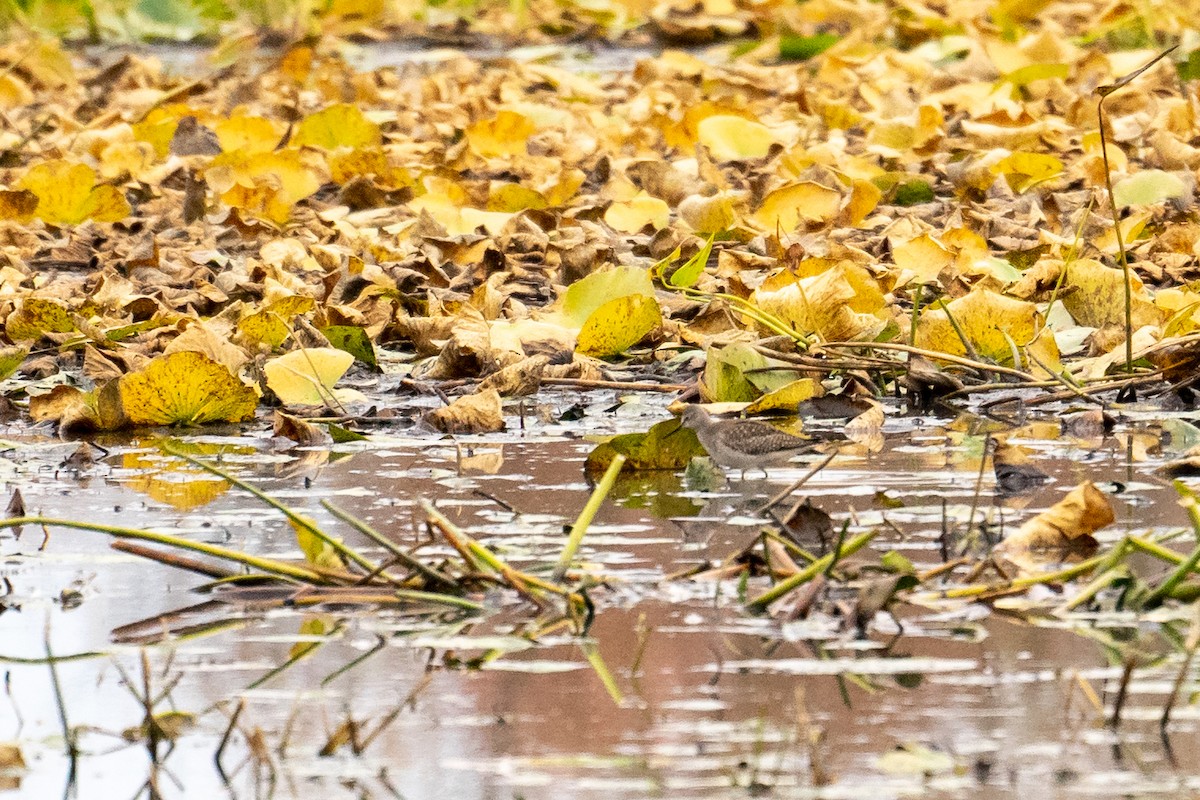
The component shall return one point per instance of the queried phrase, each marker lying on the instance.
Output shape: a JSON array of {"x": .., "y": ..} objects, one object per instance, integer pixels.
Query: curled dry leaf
[
  {"x": 1065, "y": 527},
  {"x": 472, "y": 413},
  {"x": 517, "y": 380},
  {"x": 867, "y": 429},
  {"x": 302, "y": 433}
]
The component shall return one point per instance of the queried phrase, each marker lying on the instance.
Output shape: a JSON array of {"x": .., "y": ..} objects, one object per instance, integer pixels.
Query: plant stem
[{"x": 585, "y": 517}]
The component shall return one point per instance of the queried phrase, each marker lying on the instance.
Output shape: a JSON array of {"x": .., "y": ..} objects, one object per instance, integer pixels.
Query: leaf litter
[{"x": 922, "y": 216}]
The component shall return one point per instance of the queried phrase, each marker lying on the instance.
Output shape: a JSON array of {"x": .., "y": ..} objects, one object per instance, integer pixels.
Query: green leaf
[
  {"x": 667, "y": 445},
  {"x": 1147, "y": 188},
  {"x": 342, "y": 435},
  {"x": 1190, "y": 70},
  {"x": 353, "y": 340},
  {"x": 686, "y": 276},
  {"x": 801, "y": 48},
  {"x": 10, "y": 359},
  {"x": 740, "y": 374},
  {"x": 913, "y": 193},
  {"x": 1026, "y": 75}
]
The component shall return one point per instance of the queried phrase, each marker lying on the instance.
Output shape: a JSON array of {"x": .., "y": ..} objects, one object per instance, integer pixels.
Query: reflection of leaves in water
[
  {"x": 657, "y": 492},
  {"x": 174, "y": 482}
]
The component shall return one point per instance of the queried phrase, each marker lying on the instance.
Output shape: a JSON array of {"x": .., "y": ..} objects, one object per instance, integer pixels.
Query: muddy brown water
[{"x": 707, "y": 701}]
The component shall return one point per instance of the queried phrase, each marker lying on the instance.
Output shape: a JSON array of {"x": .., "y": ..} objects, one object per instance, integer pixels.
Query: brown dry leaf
[
  {"x": 822, "y": 304},
  {"x": 521, "y": 379},
  {"x": 867, "y": 429},
  {"x": 302, "y": 433},
  {"x": 54, "y": 404},
  {"x": 472, "y": 413},
  {"x": 1068, "y": 525}
]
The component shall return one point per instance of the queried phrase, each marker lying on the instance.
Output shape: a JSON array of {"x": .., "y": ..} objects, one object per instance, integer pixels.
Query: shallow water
[{"x": 706, "y": 700}]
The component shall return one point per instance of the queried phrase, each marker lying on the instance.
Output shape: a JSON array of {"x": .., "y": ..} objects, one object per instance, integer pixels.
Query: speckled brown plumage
[{"x": 743, "y": 444}]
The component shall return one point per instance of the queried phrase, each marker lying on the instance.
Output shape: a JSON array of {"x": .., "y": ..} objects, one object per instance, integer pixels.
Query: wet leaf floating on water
[
  {"x": 302, "y": 433},
  {"x": 915, "y": 759},
  {"x": 1068, "y": 525},
  {"x": 185, "y": 388},
  {"x": 667, "y": 445}
]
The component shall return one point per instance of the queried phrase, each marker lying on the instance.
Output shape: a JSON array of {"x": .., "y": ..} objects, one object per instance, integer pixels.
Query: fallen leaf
[
  {"x": 472, "y": 413},
  {"x": 185, "y": 388}
]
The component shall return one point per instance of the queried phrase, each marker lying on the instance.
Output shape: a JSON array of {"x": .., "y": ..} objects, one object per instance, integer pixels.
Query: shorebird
[{"x": 742, "y": 444}]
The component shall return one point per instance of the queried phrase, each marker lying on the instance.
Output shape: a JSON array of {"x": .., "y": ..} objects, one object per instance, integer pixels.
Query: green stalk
[
  {"x": 269, "y": 565},
  {"x": 1121, "y": 257},
  {"x": 294, "y": 517},
  {"x": 1155, "y": 549},
  {"x": 814, "y": 569},
  {"x": 592, "y": 653},
  {"x": 1018, "y": 584},
  {"x": 478, "y": 556},
  {"x": 585, "y": 517},
  {"x": 416, "y": 565},
  {"x": 1187, "y": 565}
]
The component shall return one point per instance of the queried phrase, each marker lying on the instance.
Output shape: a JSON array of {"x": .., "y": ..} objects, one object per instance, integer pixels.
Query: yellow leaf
[
  {"x": 38, "y": 316},
  {"x": 1024, "y": 170},
  {"x": 306, "y": 377},
  {"x": 587, "y": 294},
  {"x": 710, "y": 214},
  {"x": 14, "y": 92},
  {"x": 731, "y": 138},
  {"x": 316, "y": 550},
  {"x": 787, "y": 397},
  {"x": 993, "y": 324},
  {"x": 349, "y": 164},
  {"x": 185, "y": 388},
  {"x": 864, "y": 197},
  {"x": 265, "y": 183},
  {"x": 247, "y": 134},
  {"x": 158, "y": 127},
  {"x": 67, "y": 194},
  {"x": 510, "y": 198},
  {"x": 341, "y": 125},
  {"x": 1098, "y": 296},
  {"x": 784, "y": 208},
  {"x": 618, "y": 325},
  {"x": 503, "y": 135},
  {"x": 922, "y": 257},
  {"x": 106, "y": 204},
  {"x": 270, "y": 325},
  {"x": 821, "y": 304},
  {"x": 632, "y": 215}
]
